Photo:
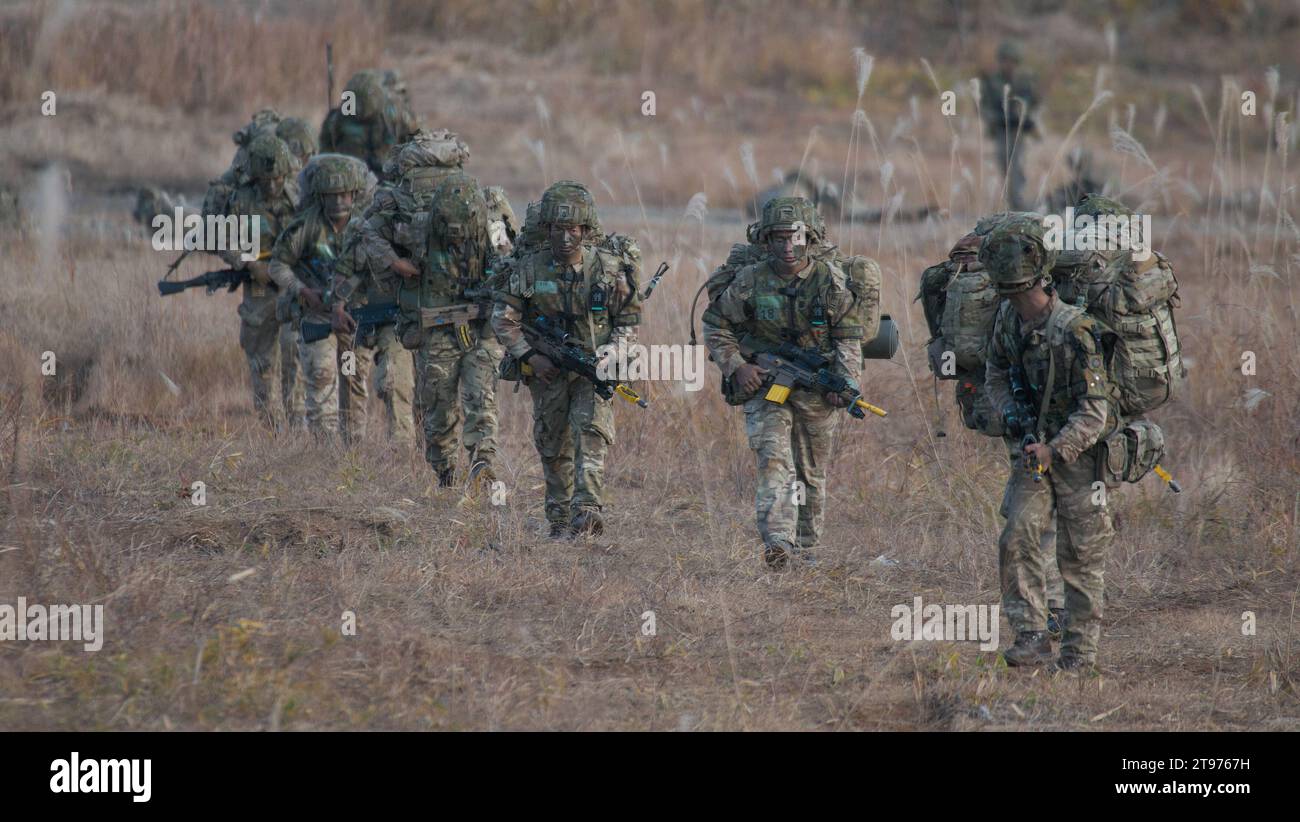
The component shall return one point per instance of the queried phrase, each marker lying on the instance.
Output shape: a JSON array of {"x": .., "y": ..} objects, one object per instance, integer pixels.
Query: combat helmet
[
  {"x": 336, "y": 173},
  {"x": 1010, "y": 51},
  {"x": 1016, "y": 254},
  {"x": 789, "y": 214},
  {"x": 569, "y": 203},
  {"x": 298, "y": 136},
  {"x": 367, "y": 86},
  {"x": 269, "y": 157},
  {"x": 1095, "y": 205}
]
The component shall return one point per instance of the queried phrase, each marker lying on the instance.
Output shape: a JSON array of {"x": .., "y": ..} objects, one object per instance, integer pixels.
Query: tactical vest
[
  {"x": 1054, "y": 340},
  {"x": 321, "y": 247},
  {"x": 584, "y": 301},
  {"x": 272, "y": 217},
  {"x": 796, "y": 310},
  {"x": 861, "y": 277}
]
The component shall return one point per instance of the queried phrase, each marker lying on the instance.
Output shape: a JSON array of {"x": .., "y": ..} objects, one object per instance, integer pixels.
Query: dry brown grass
[{"x": 468, "y": 618}]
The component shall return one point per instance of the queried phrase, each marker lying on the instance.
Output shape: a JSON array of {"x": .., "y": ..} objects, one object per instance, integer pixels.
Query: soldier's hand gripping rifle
[
  {"x": 1019, "y": 421},
  {"x": 792, "y": 367},
  {"x": 227, "y": 278},
  {"x": 368, "y": 318},
  {"x": 550, "y": 340}
]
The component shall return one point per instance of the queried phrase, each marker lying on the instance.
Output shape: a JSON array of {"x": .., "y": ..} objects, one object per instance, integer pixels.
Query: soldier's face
[
  {"x": 1006, "y": 66},
  {"x": 788, "y": 247},
  {"x": 338, "y": 206},
  {"x": 271, "y": 186},
  {"x": 566, "y": 241}
]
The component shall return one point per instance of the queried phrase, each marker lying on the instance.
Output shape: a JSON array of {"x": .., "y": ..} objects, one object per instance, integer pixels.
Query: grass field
[{"x": 230, "y": 615}]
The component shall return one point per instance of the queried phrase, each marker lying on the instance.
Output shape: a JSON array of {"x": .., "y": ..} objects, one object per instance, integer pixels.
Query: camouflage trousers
[
  {"x": 291, "y": 390},
  {"x": 1066, "y": 498},
  {"x": 259, "y": 338},
  {"x": 1010, "y": 148},
  {"x": 1052, "y": 573},
  {"x": 319, "y": 363},
  {"x": 390, "y": 366},
  {"x": 572, "y": 431},
  {"x": 456, "y": 385},
  {"x": 792, "y": 443}
]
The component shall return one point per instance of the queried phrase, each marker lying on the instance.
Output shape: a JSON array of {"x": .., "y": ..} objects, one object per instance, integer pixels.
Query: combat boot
[
  {"x": 446, "y": 477},
  {"x": 1058, "y": 619},
  {"x": 776, "y": 553},
  {"x": 561, "y": 530},
  {"x": 804, "y": 556},
  {"x": 1072, "y": 665},
  {"x": 587, "y": 521},
  {"x": 481, "y": 476},
  {"x": 1031, "y": 648}
]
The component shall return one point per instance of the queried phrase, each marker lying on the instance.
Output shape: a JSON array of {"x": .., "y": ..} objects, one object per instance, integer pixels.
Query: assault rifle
[
  {"x": 793, "y": 367},
  {"x": 213, "y": 281},
  {"x": 1020, "y": 421},
  {"x": 550, "y": 340},
  {"x": 368, "y": 318},
  {"x": 459, "y": 317}
]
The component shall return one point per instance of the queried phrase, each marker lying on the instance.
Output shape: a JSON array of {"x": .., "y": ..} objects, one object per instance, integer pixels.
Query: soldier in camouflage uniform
[
  {"x": 457, "y": 364},
  {"x": 972, "y": 399},
  {"x": 298, "y": 136},
  {"x": 1008, "y": 97},
  {"x": 393, "y": 234},
  {"x": 382, "y": 119},
  {"x": 357, "y": 283},
  {"x": 1057, "y": 348},
  {"x": 797, "y": 296},
  {"x": 590, "y": 290},
  {"x": 270, "y": 195},
  {"x": 302, "y": 265}
]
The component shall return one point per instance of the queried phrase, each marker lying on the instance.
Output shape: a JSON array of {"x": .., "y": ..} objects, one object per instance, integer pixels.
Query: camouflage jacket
[
  {"x": 305, "y": 253},
  {"x": 597, "y": 301},
  {"x": 272, "y": 216},
  {"x": 762, "y": 309},
  {"x": 1082, "y": 406}
]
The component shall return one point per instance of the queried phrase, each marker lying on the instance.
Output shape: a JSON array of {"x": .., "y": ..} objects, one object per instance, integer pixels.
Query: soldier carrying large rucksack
[{"x": 375, "y": 115}]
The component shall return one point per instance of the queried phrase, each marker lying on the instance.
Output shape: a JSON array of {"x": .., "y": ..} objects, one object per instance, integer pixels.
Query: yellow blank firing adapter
[
  {"x": 778, "y": 394},
  {"x": 630, "y": 395},
  {"x": 1164, "y": 475},
  {"x": 866, "y": 406}
]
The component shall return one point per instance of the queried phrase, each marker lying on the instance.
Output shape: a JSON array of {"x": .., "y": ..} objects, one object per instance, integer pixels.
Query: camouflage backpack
[
  {"x": 960, "y": 305},
  {"x": 1135, "y": 299},
  {"x": 457, "y": 253},
  {"x": 415, "y": 169},
  {"x": 380, "y": 118}
]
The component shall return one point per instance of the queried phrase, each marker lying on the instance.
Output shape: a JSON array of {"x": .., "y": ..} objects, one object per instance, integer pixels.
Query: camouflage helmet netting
[
  {"x": 299, "y": 136},
  {"x": 788, "y": 213},
  {"x": 1015, "y": 252},
  {"x": 569, "y": 203},
  {"x": 269, "y": 157},
  {"x": 336, "y": 173}
]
